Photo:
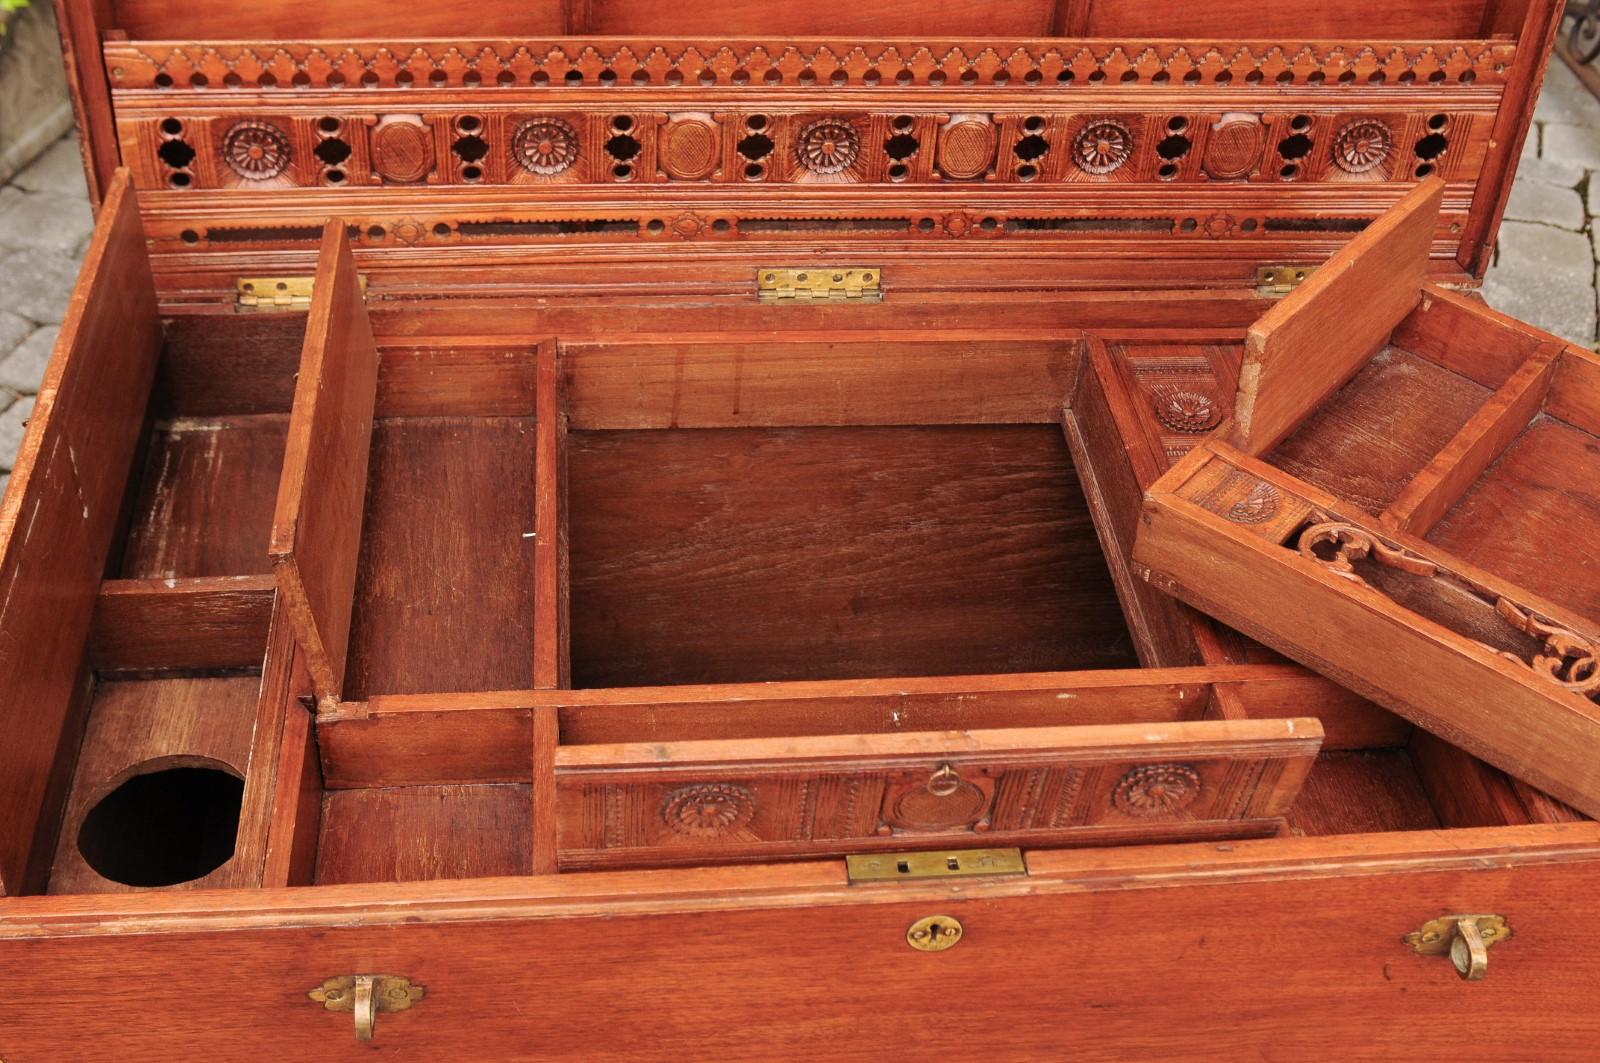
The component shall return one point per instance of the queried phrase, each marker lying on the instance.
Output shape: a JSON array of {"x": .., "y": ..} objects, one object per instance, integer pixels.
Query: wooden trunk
[{"x": 486, "y": 565}]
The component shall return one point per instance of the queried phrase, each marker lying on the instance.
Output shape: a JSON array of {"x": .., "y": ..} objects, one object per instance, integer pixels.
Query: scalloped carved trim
[{"x": 1019, "y": 65}]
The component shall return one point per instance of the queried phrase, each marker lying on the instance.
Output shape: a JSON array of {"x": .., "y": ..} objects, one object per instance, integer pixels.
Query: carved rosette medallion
[
  {"x": 828, "y": 145},
  {"x": 1257, "y": 507},
  {"x": 966, "y": 148},
  {"x": 1157, "y": 790},
  {"x": 1361, "y": 145},
  {"x": 256, "y": 151},
  {"x": 1186, "y": 411},
  {"x": 1102, "y": 146},
  {"x": 708, "y": 810},
  {"x": 545, "y": 146},
  {"x": 690, "y": 148}
]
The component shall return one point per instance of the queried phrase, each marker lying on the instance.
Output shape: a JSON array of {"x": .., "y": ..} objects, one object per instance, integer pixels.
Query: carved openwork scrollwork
[
  {"x": 1339, "y": 546},
  {"x": 1505, "y": 627},
  {"x": 1568, "y": 658}
]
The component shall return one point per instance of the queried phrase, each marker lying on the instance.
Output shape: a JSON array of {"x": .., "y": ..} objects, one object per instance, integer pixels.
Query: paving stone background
[{"x": 1545, "y": 269}]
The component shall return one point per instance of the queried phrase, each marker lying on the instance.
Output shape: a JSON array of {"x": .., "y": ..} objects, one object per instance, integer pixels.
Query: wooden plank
[
  {"x": 406, "y": 833},
  {"x": 833, "y": 552},
  {"x": 296, "y": 806},
  {"x": 203, "y": 623},
  {"x": 1457, "y": 331},
  {"x": 449, "y": 520},
  {"x": 551, "y": 579},
  {"x": 60, "y": 512},
  {"x": 1437, "y": 673},
  {"x": 205, "y": 499},
  {"x": 1463, "y": 790},
  {"x": 546, "y": 813},
  {"x": 1116, "y": 461},
  {"x": 1478, "y": 444},
  {"x": 484, "y": 737},
  {"x": 1575, "y": 391},
  {"x": 1237, "y": 905},
  {"x": 285, "y": 689},
  {"x": 316, "y": 528},
  {"x": 721, "y": 800},
  {"x": 799, "y": 380},
  {"x": 1304, "y": 348}
]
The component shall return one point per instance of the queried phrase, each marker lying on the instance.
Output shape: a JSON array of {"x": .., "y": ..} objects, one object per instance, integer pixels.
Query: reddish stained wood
[
  {"x": 60, "y": 510},
  {"x": 284, "y": 687},
  {"x": 1149, "y": 903},
  {"x": 409, "y": 833},
  {"x": 552, "y": 656},
  {"x": 1574, "y": 395},
  {"x": 1457, "y": 331},
  {"x": 546, "y": 812},
  {"x": 1313, "y": 341},
  {"x": 291, "y": 853},
  {"x": 1479, "y": 443},
  {"x": 316, "y": 529},
  {"x": 207, "y": 622}
]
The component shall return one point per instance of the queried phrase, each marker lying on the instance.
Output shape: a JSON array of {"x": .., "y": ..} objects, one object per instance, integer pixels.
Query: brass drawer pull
[
  {"x": 366, "y": 995},
  {"x": 944, "y": 781},
  {"x": 1464, "y": 938}
]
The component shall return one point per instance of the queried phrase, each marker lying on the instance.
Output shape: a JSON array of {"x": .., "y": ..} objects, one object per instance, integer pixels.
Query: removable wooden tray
[{"x": 1402, "y": 502}]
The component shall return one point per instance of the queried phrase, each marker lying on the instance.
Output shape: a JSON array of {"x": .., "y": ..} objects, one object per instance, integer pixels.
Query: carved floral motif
[
  {"x": 708, "y": 810},
  {"x": 1157, "y": 790},
  {"x": 828, "y": 145},
  {"x": 1183, "y": 410},
  {"x": 1361, "y": 145},
  {"x": 1102, "y": 146},
  {"x": 1257, "y": 507},
  {"x": 545, "y": 146},
  {"x": 256, "y": 151}
]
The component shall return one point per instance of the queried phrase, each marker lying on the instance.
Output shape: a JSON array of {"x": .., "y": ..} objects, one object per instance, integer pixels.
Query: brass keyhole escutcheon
[{"x": 934, "y": 933}]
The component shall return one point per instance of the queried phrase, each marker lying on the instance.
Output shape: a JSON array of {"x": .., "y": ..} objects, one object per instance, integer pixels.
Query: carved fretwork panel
[
  {"x": 246, "y": 146},
  {"x": 1022, "y": 65},
  {"x": 682, "y": 814}
]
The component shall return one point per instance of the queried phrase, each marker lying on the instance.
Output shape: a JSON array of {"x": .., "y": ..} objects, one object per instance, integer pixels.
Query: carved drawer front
[{"x": 690, "y": 801}]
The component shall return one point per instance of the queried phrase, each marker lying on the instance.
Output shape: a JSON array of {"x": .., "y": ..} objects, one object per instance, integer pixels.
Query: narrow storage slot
[{"x": 734, "y": 555}]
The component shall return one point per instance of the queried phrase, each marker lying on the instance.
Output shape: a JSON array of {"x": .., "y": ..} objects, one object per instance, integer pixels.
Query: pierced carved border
[{"x": 1016, "y": 65}]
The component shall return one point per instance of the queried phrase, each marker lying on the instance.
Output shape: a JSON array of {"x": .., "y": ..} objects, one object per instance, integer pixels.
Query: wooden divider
[
  {"x": 552, "y": 654},
  {"x": 316, "y": 528},
  {"x": 1313, "y": 341},
  {"x": 57, "y": 522}
]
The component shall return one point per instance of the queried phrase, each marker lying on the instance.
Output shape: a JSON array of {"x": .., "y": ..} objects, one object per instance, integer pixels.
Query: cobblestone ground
[{"x": 1544, "y": 271}]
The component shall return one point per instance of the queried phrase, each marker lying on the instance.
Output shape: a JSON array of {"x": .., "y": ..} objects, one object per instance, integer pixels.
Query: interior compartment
[
  {"x": 742, "y": 555},
  {"x": 445, "y": 583},
  {"x": 1372, "y": 436},
  {"x": 203, "y": 498},
  {"x": 414, "y": 833},
  {"x": 1547, "y": 486}
]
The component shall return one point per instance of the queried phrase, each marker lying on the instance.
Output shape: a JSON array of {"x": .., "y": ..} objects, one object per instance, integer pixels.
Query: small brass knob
[{"x": 934, "y": 933}]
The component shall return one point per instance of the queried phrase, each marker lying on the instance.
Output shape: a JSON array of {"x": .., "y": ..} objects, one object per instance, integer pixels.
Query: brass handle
[
  {"x": 944, "y": 781},
  {"x": 366, "y": 995},
  {"x": 366, "y": 1010},
  {"x": 1464, "y": 938}
]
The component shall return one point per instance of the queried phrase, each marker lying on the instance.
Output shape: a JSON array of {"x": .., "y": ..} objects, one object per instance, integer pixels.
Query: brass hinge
[
  {"x": 819, "y": 284},
  {"x": 278, "y": 293},
  {"x": 1272, "y": 281},
  {"x": 942, "y": 863}
]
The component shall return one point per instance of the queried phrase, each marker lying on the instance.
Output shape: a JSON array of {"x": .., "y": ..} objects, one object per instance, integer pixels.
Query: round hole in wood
[{"x": 164, "y": 827}]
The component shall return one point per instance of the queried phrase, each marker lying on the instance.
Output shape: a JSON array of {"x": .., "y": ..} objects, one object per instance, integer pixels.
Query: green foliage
[{"x": 6, "y": 7}]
